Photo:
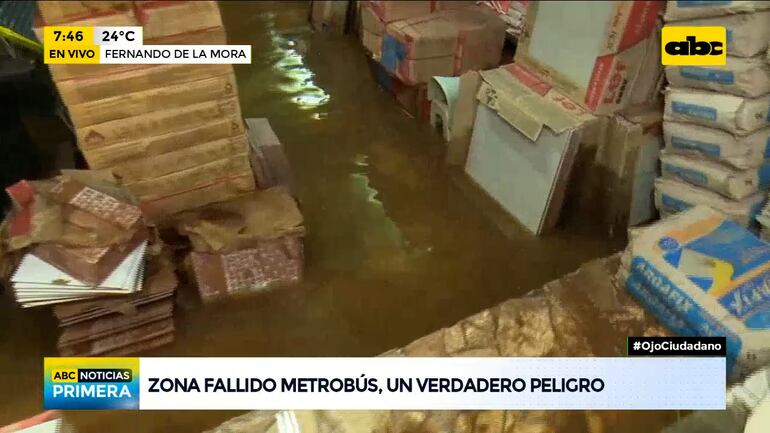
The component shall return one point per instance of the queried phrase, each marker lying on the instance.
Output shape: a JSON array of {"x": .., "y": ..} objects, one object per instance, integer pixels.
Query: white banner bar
[
  {"x": 432, "y": 383},
  {"x": 127, "y": 54}
]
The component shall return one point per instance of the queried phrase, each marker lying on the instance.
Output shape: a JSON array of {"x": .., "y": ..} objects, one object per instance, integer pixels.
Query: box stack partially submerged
[
  {"x": 410, "y": 42},
  {"x": 172, "y": 133},
  {"x": 85, "y": 250},
  {"x": 254, "y": 242},
  {"x": 716, "y": 126},
  {"x": 562, "y": 91}
]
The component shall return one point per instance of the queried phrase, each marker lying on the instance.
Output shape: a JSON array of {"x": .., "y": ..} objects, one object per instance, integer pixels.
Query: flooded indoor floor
[{"x": 397, "y": 245}]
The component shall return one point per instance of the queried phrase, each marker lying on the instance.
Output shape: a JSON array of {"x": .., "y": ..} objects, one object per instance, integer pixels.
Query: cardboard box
[
  {"x": 60, "y": 12},
  {"x": 162, "y": 18},
  {"x": 149, "y": 167},
  {"x": 155, "y": 123},
  {"x": 446, "y": 43},
  {"x": 329, "y": 15},
  {"x": 160, "y": 211},
  {"x": 372, "y": 43},
  {"x": 525, "y": 137},
  {"x": 687, "y": 10},
  {"x": 162, "y": 98},
  {"x": 624, "y": 169},
  {"x": 370, "y": 21},
  {"x": 593, "y": 51},
  {"x": 268, "y": 159},
  {"x": 212, "y": 36},
  {"x": 270, "y": 263},
  {"x": 747, "y": 34},
  {"x": 144, "y": 77},
  {"x": 148, "y": 147},
  {"x": 398, "y": 10},
  {"x": 191, "y": 178}
]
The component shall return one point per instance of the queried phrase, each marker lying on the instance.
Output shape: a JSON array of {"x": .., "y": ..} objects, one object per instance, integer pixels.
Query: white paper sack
[
  {"x": 735, "y": 114},
  {"x": 740, "y": 152},
  {"x": 747, "y": 34},
  {"x": 731, "y": 182},
  {"x": 711, "y": 272},
  {"x": 739, "y": 76},
  {"x": 673, "y": 196},
  {"x": 687, "y": 9}
]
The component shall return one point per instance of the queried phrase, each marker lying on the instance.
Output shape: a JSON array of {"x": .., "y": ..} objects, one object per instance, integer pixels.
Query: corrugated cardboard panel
[
  {"x": 526, "y": 178},
  {"x": 147, "y": 147},
  {"x": 142, "y": 77},
  {"x": 155, "y": 123},
  {"x": 163, "y": 98}
]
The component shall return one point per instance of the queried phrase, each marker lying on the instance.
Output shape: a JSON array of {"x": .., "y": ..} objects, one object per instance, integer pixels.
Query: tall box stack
[
  {"x": 173, "y": 133},
  {"x": 561, "y": 91},
  {"x": 716, "y": 126}
]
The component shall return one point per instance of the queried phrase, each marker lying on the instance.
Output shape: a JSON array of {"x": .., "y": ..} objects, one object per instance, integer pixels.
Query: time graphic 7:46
[{"x": 68, "y": 36}]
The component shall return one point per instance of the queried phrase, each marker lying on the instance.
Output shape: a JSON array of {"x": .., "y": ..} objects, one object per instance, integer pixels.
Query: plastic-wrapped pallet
[
  {"x": 722, "y": 179},
  {"x": 710, "y": 272},
  {"x": 673, "y": 196}
]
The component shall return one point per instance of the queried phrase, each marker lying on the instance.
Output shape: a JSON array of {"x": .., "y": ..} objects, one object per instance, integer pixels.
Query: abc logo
[
  {"x": 695, "y": 48},
  {"x": 682, "y": 46}
]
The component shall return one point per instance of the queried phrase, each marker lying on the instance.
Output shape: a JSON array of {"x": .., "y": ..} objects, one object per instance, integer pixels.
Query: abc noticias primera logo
[
  {"x": 693, "y": 46},
  {"x": 91, "y": 383}
]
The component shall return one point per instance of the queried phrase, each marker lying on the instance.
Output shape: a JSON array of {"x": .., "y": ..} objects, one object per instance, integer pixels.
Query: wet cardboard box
[
  {"x": 270, "y": 263},
  {"x": 162, "y": 18},
  {"x": 446, "y": 43},
  {"x": 604, "y": 55},
  {"x": 131, "y": 155},
  {"x": 523, "y": 146},
  {"x": 205, "y": 88},
  {"x": 156, "y": 123}
]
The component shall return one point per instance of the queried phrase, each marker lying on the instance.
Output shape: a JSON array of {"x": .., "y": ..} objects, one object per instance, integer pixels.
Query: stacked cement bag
[
  {"x": 702, "y": 274},
  {"x": 716, "y": 122}
]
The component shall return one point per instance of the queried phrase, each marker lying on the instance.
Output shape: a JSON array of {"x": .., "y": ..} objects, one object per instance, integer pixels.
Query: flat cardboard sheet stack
[
  {"x": 253, "y": 242},
  {"x": 173, "y": 133},
  {"x": 716, "y": 125},
  {"x": 85, "y": 250}
]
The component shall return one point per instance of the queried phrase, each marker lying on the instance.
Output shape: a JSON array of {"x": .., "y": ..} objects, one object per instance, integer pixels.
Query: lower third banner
[{"x": 385, "y": 383}]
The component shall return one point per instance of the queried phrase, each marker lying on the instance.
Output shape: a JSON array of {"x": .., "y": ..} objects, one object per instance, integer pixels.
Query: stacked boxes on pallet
[
  {"x": 716, "y": 125},
  {"x": 173, "y": 133}
]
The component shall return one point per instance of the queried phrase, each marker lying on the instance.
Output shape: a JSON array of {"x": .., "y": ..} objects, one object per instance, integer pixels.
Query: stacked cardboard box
[
  {"x": 411, "y": 42},
  {"x": 251, "y": 243},
  {"x": 556, "y": 96},
  {"x": 86, "y": 251},
  {"x": 173, "y": 133},
  {"x": 716, "y": 125}
]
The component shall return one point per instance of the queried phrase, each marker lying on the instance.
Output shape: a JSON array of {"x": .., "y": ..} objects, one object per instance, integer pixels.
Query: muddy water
[{"x": 397, "y": 245}]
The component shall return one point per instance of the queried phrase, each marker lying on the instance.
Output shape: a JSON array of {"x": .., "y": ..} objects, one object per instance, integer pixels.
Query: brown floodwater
[{"x": 397, "y": 245}]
